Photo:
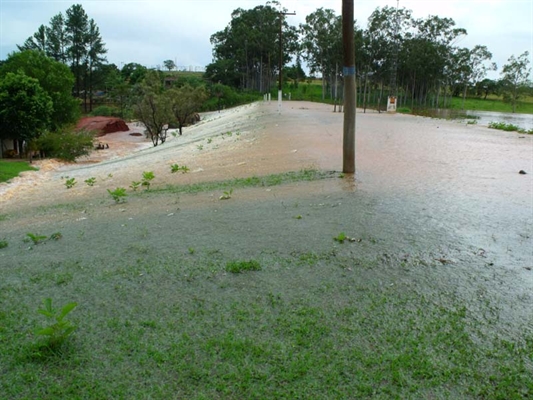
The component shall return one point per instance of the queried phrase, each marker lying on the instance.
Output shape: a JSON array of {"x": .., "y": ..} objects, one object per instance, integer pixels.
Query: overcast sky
[{"x": 149, "y": 32}]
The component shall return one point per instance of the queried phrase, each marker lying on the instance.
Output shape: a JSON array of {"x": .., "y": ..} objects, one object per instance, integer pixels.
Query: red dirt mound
[{"x": 102, "y": 125}]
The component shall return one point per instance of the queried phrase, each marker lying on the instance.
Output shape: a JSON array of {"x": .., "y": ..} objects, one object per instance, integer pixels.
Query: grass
[
  {"x": 509, "y": 127},
  {"x": 162, "y": 327},
  {"x": 11, "y": 169},
  {"x": 264, "y": 181}
]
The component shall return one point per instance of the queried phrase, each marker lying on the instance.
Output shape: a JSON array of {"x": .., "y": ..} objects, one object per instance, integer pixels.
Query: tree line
[{"x": 416, "y": 59}]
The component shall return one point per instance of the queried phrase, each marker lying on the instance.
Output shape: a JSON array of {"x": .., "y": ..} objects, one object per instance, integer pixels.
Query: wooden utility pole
[{"x": 348, "y": 150}]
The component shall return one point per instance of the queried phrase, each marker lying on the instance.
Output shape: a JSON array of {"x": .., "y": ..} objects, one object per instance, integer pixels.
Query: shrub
[
  {"x": 66, "y": 144},
  {"x": 105, "y": 111},
  {"x": 241, "y": 266}
]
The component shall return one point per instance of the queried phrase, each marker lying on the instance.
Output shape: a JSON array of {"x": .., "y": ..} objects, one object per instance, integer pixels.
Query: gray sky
[{"x": 149, "y": 32}]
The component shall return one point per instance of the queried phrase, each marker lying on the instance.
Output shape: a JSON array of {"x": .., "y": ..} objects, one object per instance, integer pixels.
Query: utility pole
[
  {"x": 280, "y": 84},
  {"x": 348, "y": 150}
]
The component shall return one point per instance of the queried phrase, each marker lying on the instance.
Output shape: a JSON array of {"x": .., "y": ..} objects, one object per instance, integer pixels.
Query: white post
[
  {"x": 391, "y": 104},
  {"x": 280, "y": 94}
]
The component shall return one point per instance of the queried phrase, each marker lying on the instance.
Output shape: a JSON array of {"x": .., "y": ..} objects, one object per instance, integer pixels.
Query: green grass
[
  {"x": 164, "y": 328},
  {"x": 495, "y": 104},
  {"x": 11, "y": 169},
  {"x": 254, "y": 181},
  {"x": 509, "y": 127}
]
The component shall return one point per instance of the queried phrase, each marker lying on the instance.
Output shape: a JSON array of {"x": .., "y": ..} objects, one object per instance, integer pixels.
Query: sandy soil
[{"x": 445, "y": 193}]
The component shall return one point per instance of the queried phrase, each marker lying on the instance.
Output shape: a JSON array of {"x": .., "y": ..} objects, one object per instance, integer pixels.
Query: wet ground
[{"x": 443, "y": 200}]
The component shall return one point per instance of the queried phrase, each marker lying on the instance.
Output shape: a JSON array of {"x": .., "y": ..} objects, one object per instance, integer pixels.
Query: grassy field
[
  {"x": 313, "y": 92},
  {"x": 166, "y": 309},
  {"x": 11, "y": 169}
]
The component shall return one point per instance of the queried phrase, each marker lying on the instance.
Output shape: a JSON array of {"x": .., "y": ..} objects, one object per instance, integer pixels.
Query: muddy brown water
[{"x": 447, "y": 194}]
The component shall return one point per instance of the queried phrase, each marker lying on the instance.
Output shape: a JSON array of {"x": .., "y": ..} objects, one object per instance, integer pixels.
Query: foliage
[
  {"x": 341, "y": 237},
  {"x": 58, "y": 328},
  {"x": 3, "y": 244},
  {"x": 152, "y": 107},
  {"x": 90, "y": 181},
  {"x": 66, "y": 144},
  {"x": 147, "y": 178},
  {"x": 515, "y": 76},
  {"x": 169, "y": 64},
  {"x": 176, "y": 168},
  {"x": 508, "y": 127},
  {"x": 227, "y": 195},
  {"x": 36, "y": 239},
  {"x": 70, "y": 183},
  {"x": 54, "y": 78},
  {"x": 133, "y": 73},
  {"x": 185, "y": 102},
  {"x": 135, "y": 185},
  {"x": 236, "y": 267},
  {"x": 105, "y": 111},
  {"x": 244, "y": 51},
  {"x": 25, "y": 108},
  {"x": 11, "y": 169},
  {"x": 119, "y": 194}
]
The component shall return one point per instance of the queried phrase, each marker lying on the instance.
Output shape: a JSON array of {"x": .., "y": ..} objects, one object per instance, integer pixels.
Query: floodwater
[{"x": 524, "y": 121}]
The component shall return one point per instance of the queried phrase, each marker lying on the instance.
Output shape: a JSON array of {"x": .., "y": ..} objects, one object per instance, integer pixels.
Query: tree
[
  {"x": 95, "y": 57},
  {"x": 134, "y": 73},
  {"x": 54, "y": 78},
  {"x": 57, "y": 43},
  {"x": 185, "y": 102},
  {"x": 36, "y": 42},
  {"x": 515, "y": 76},
  {"x": 120, "y": 91},
  {"x": 169, "y": 64},
  {"x": 152, "y": 108},
  {"x": 77, "y": 25},
  {"x": 25, "y": 108}
]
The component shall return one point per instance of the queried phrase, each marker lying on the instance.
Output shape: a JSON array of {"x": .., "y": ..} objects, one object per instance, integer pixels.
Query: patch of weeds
[
  {"x": 3, "y": 217},
  {"x": 119, "y": 194},
  {"x": 148, "y": 176},
  {"x": 471, "y": 122},
  {"x": 135, "y": 185},
  {"x": 209, "y": 140},
  {"x": 176, "y": 168},
  {"x": 226, "y": 195},
  {"x": 110, "y": 175},
  {"x": 90, "y": 181},
  {"x": 58, "y": 328},
  {"x": 36, "y": 239},
  {"x": 56, "y": 236},
  {"x": 341, "y": 237},
  {"x": 70, "y": 182},
  {"x": 502, "y": 126},
  {"x": 3, "y": 244},
  {"x": 341, "y": 175},
  {"x": 237, "y": 267},
  {"x": 200, "y": 147},
  {"x": 191, "y": 250},
  {"x": 298, "y": 217}
]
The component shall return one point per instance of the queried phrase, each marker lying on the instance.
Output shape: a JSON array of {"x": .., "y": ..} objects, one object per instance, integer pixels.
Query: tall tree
[
  {"x": 185, "y": 102},
  {"x": 56, "y": 46},
  {"x": 77, "y": 24},
  {"x": 515, "y": 75},
  {"x": 95, "y": 57},
  {"x": 36, "y": 42}
]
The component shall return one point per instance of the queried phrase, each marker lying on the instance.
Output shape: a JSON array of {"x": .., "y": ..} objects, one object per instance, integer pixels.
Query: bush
[
  {"x": 66, "y": 144},
  {"x": 105, "y": 111}
]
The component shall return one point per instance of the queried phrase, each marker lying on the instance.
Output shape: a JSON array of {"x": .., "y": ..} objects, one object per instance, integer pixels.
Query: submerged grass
[
  {"x": 165, "y": 328},
  {"x": 254, "y": 181}
]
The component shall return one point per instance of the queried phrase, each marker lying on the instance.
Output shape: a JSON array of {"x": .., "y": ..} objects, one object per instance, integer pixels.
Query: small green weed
[
  {"x": 119, "y": 194},
  {"x": 209, "y": 141},
  {"x": 36, "y": 239},
  {"x": 191, "y": 250},
  {"x": 226, "y": 195},
  {"x": 148, "y": 176},
  {"x": 135, "y": 185},
  {"x": 237, "y": 267},
  {"x": 502, "y": 126},
  {"x": 69, "y": 183},
  {"x": 341, "y": 237},
  {"x": 176, "y": 168},
  {"x": 471, "y": 122},
  {"x": 58, "y": 329},
  {"x": 90, "y": 181},
  {"x": 3, "y": 244},
  {"x": 3, "y": 217},
  {"x": 200, "y": 147},
  {"x": 56, "y": 236}
]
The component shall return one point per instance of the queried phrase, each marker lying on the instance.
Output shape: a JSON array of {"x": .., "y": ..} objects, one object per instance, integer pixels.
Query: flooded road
[{"x": 524, "y": 121}]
